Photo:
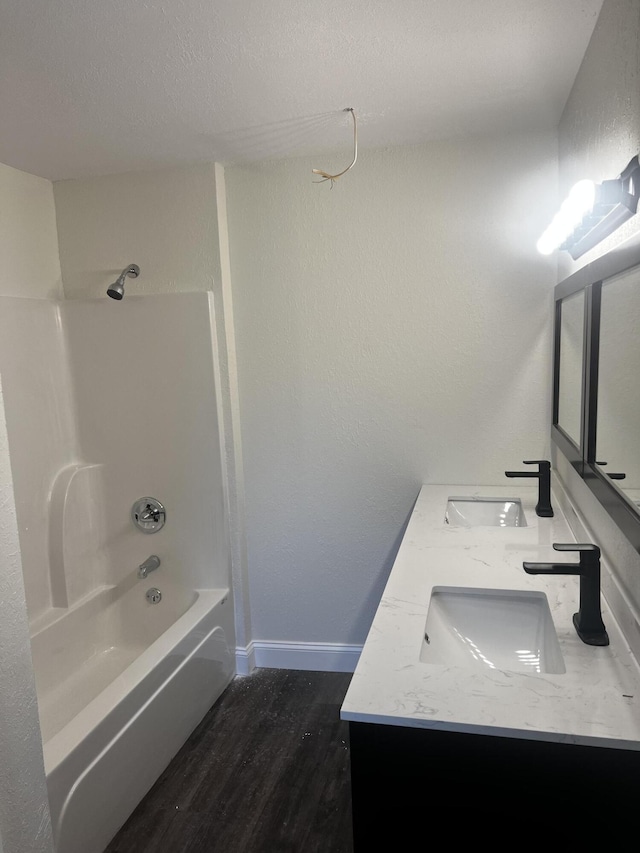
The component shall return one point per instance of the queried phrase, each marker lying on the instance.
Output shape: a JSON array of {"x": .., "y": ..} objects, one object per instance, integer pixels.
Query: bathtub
[{"x": 121, "y": 684}]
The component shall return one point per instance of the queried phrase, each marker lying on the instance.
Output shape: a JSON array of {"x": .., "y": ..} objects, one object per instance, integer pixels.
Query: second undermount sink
[
  {"x": 486, "y": 512},
  {"x": 510, "y": 630}
]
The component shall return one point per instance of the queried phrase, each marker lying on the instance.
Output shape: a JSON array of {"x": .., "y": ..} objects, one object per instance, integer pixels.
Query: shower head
[{"x": 116, "y": 290}]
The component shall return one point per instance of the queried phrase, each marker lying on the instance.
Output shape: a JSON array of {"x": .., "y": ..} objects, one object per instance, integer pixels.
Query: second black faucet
[
  {"x": 543, "y": 475},
  {"x": 588, "y": 620}
]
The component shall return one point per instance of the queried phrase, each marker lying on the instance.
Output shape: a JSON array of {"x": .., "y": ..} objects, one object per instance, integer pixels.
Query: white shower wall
[
  {"x": 144, "y": 381},
  {"x": 108, "y": 402},
  {"x": 40, "y": 423},
  {"x": 172, "y": 223}
]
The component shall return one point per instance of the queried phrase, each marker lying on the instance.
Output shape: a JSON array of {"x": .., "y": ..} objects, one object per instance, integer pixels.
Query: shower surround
[{"x": 108, "y": 402}]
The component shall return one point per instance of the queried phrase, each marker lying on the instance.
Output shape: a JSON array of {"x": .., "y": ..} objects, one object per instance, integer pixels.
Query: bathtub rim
[{"x": 60, "y": 745}]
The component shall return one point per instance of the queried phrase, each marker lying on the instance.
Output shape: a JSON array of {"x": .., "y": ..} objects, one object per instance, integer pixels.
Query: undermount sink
[
  {"x": 486, "y": 512},
  {"x": 501, "y": 629}
]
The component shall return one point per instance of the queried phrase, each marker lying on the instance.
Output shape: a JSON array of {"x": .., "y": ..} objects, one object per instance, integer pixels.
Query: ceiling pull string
[{"x": 333, "y": 178}]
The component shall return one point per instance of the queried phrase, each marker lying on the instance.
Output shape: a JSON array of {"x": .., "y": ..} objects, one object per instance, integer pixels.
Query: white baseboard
[
  {"x": 245, "y": 661},
  {"x": 316, "y": 657}
]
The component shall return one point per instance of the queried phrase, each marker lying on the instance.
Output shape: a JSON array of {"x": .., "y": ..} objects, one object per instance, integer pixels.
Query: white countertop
[{"x": 595, "y": 702}]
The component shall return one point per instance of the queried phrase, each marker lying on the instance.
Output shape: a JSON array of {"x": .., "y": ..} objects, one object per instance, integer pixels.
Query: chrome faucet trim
[
  {"x": 150, "y": 514},
  {"x": 149, "y": 565}
]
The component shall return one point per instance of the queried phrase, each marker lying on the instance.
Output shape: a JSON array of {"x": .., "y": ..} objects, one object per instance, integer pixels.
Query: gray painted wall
[{"x": 599, "y": 134}]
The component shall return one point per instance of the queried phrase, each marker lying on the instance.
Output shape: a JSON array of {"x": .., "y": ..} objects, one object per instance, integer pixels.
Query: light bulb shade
[{"x": 591, "y": 212}]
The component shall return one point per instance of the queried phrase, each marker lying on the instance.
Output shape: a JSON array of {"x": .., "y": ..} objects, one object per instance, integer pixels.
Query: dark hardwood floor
[{"x": 267, "y": 771}]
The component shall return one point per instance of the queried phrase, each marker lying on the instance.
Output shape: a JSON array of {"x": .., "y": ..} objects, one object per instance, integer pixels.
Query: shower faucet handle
[{"x": 148, "y": 515}]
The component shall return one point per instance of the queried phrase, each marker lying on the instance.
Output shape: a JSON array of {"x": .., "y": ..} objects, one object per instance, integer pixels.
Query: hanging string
[{"x": 333, "y": 178}]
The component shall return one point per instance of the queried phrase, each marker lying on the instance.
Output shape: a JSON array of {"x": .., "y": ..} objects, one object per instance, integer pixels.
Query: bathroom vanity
[{"x": 475, "y": 706}]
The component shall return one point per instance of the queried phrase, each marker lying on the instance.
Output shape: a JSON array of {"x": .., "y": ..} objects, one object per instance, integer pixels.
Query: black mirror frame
[{"x": 583, "y": 458}]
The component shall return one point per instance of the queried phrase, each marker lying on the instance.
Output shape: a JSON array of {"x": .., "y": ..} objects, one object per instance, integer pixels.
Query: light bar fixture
[{"x": 591, "y": 212}]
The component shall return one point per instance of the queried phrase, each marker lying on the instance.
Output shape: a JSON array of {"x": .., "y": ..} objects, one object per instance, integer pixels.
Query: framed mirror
[
  {"x": 596, "y": 395},
  {"x": 571, "y": 365},
  {"x": 617, "y": 445}
]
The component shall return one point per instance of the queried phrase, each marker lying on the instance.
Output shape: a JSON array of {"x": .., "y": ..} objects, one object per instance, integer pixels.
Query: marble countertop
[{"x": 595, "y": 702}]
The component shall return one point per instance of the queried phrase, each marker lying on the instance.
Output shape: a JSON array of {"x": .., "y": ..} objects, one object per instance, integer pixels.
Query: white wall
[
  {"x": 28, "y": 238},
  {"x": 391, "y": 331},
  {"x": 29, "y": 268},
  {"x": 172, "y": 224},
  {"x": 599, "y": 134},
  {"x": 24, "y": 808}
]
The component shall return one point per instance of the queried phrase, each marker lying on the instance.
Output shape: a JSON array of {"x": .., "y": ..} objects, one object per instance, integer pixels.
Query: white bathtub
[{"x": 121, "y": 685}]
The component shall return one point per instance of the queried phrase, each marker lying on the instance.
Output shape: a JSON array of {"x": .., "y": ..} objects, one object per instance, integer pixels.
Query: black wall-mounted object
[
  {"x": 616, "y": 201},
  {"x": 582, "y": 454},
  {"x": 588, "y": 620},
  {"x": 543, "y": 476}
]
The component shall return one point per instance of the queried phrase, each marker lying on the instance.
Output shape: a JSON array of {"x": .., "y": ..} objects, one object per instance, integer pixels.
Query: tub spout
[{"x": 149, "y": 565}]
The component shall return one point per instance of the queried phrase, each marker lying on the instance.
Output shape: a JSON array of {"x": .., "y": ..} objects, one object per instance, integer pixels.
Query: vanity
[{"x": 475, "y": 705}]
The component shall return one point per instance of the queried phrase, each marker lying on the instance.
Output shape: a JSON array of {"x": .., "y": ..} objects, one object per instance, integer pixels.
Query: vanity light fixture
[{"x": 591, "y": 212}]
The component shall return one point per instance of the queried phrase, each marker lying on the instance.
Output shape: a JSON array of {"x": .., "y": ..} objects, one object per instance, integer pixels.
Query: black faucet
[
  {"x": 588, "y": 620},
  {"x": 543, "y": 508},
  {"x": 620, "y": 476}
]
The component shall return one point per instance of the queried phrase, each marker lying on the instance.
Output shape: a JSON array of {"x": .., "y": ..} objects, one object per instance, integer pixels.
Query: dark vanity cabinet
[{"x": 416, "y": 788}]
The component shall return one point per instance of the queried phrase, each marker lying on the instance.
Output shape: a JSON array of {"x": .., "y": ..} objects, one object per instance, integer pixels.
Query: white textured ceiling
[{"x": 93, "y": 87}]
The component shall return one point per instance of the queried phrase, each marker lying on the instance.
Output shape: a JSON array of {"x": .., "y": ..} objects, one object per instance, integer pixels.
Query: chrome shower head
[{"x": 116, "y": 290}]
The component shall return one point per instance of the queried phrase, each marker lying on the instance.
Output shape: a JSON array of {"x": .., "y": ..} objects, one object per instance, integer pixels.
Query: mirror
[
  {"x": 596, "y": 392},
  {"x": 570, "y": 356},
  {"x": 618, "y": 412}
]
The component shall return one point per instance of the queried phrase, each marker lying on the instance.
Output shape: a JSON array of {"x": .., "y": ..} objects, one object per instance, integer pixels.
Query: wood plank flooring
[{"x": 267, "y": 771}]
